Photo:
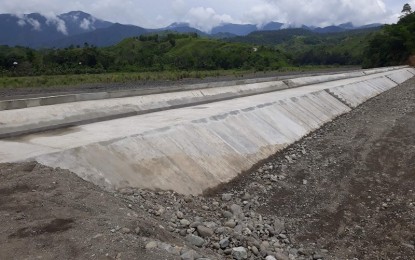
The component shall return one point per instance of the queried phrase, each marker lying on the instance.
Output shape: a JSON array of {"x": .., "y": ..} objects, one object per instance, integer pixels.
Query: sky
[{"x": 205, "y": 14}]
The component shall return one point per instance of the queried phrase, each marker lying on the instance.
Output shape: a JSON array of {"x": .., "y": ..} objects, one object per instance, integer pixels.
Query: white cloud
[
  {"x": 205, "y": 14},
  {"x": 21, "y": 23},
  {"x": 86, "y": 24},
  {"x": 319, "y": 12},
  {"x": 206, "y": 18},
  {"x": 262, "y": 14},
  {"x": 60, "y": 24},
  {"x": 25, "y": 20}
]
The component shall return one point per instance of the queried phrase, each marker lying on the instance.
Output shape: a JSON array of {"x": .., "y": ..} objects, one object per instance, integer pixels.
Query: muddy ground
[{"x": 344, "y": 192}]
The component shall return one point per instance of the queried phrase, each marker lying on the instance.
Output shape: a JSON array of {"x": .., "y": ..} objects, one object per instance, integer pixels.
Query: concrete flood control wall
[
  {"x": 198, "y": 147},
  {"x": 67, "y": 98},
  {"x": 41, "y": 118}
]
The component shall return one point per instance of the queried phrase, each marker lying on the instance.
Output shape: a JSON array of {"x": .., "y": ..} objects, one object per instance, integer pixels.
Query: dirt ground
[{"x": 344, "y": 192}]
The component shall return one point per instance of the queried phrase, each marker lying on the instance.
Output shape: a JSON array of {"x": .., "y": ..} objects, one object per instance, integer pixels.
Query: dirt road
[{"x": 344, "y": 192}]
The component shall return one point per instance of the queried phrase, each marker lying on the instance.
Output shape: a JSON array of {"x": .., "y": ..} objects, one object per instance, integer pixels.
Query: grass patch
[{"x": 126, "y": 77}]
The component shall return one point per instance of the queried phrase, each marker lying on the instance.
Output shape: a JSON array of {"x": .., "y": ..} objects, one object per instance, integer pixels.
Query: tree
[{"x": 406, "y": 10}]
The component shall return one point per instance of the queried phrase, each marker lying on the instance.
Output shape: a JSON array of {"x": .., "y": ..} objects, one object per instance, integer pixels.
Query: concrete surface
[
  {"x": 40, "y": 118},
  {"x": 67, "y": 98},
  {"x": 194, "y": 148}
]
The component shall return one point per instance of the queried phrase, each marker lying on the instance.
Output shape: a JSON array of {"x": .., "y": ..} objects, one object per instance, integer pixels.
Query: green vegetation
[
  {"x": 170, "y": 52},
  {"x": 394, "y": 45},
  {"x": 304, "y": 47},
  {"x": 118, "y": 77}
]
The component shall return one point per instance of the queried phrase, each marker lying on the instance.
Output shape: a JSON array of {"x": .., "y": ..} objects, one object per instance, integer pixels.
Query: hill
[
  {"x": 155, "y": 52},
  {"x": 393, "y": 45},
  {"x": 306, "y": 47}
]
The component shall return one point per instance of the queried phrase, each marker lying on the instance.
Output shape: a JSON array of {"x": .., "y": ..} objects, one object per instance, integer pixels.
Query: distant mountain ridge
[
  {"x": 36, "y": 30},
  {"x": 76, "y": 28}
]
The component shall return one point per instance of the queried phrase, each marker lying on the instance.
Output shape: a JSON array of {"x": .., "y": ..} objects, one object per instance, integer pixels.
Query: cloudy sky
[{"x": 205, "y": 14}]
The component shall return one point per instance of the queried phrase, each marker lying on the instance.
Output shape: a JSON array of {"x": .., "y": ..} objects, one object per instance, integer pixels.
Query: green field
[{"x": 131, "y": 77}]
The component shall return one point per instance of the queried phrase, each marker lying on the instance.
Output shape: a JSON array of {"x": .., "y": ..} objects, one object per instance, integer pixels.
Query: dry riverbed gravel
[{"x": 345, "y": 191}]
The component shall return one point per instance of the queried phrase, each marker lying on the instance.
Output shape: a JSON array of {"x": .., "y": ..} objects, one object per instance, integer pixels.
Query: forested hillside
[
  {"x": 305, "y": 47},
  {"x": 394, "y": 45},
  {"x": 158, "y": 52}
]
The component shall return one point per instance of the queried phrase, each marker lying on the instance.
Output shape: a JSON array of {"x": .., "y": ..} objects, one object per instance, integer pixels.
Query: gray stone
[
  {"x": 215, "y": 246},
  {"x": 227, "y": 196},
  {"x": 227, "y": 214},
  {"x": 227, "y": 251},
  {"x": 179, "y": 214},
  {"x": 210, "y": 224},
  {"x": 270, "y": 257},
  {"x": 236, "y": 210},
  {"x": 246, "y": 196},
  {"x": 255, "y": 250},
  {"x": 281, "y": 256},
  {"x": 198, "y": 219},
  {"x": 189, "y": 255},
  {"x": 195, "y": 240},
  {"x": 238, "y": 229},
  {"x": 151, "y": 245},
  {"x": 224, "y": 243},
  {"x": 188, "y": 199},
  {"x": 169, "y": 248},
  {"x": 204, "y": 231},
  {"x": 195, "y": 224},
  {"x": 265, "y": 244},
  {"x": 125, "y": 230},
  {"x": 230, "y": 224},
  {"x": 137, "y": 230},
  {"x": 239, "y": 253},
  {"x": 184, "y": 222},
  {"x": 160, "y": 211},
  {"x": 282, "y": 236}
]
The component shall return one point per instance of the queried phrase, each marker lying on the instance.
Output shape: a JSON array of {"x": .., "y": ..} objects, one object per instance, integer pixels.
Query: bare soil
[{"x": 346, "y": 191}]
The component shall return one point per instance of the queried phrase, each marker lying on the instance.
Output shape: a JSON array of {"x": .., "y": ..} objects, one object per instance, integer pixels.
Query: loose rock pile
[{"x": 222, "y": 227}]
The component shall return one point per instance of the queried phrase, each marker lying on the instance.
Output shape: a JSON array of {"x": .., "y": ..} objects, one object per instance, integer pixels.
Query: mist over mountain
[{"x": 76, "y": 28}]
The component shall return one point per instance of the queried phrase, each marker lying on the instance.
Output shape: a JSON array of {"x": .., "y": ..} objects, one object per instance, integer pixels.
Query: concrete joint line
[
  {"x": 392, "y": 80},
  {"x": 338, "y": 98}
]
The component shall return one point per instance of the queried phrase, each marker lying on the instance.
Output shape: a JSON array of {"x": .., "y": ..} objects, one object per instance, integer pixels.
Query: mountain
[
  {"x": 36, "y": 30},
  {"x": 101, "y": 37},
  {"x": 344, "y": 27},
  {"x": 76, "y": 28},
  {"x": 180, "y": 28},
  {"x": 236, "y": 29},
  {"x": 330, "y": 29},
  {"x": 272, "y": 37},
  {"x": 272, "y": 26},
  {"x": 310, "y": 36},
  {"x": 79, "y": 22}
]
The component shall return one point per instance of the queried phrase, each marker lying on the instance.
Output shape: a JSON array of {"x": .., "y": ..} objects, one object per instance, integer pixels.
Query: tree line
[
  {"x": 158, "y": 52},
  {"x": 395, "y": 44}
]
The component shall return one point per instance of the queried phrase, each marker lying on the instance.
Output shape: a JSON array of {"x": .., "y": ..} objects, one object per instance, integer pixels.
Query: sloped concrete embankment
[
  {"x": 195, "y": 148},
  {"x": 24, "y": 116}
]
